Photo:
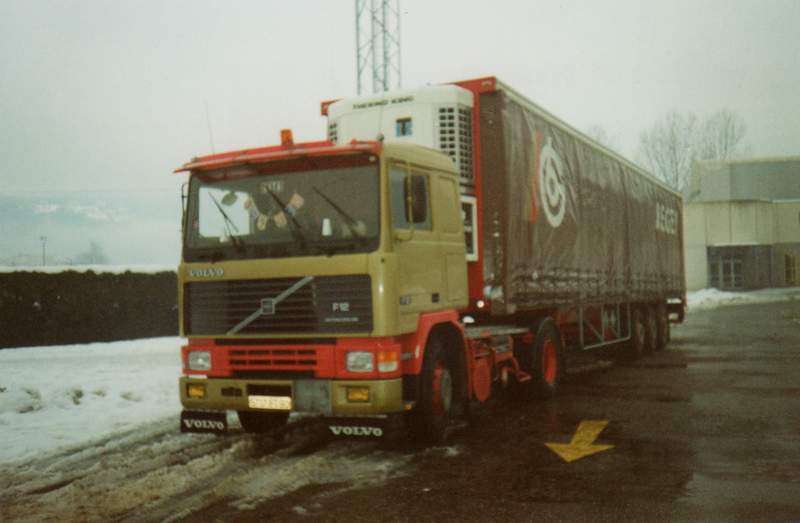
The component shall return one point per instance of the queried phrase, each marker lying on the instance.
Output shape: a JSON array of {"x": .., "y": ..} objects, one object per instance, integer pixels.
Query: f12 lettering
[{"x": 666, "y": 219}]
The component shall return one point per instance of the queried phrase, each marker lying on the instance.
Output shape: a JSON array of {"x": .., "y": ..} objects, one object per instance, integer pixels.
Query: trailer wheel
[
  {"x": 543, "y": 359},
  {"x": 260, "y": 422},
  {"x": 650, "y": 329},
  {"x": 636, "y": 345},
  {"x": 662, "y": 326},
  {"x": 547, "y": 366},
  {"x": 435, "y": 407}
]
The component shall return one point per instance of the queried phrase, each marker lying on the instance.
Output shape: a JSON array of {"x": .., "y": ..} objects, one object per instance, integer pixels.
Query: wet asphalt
[{"x": 707, "y": 430}]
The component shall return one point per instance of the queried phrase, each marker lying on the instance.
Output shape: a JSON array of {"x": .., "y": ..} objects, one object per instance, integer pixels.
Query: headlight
[
  {"x": 359, "y": 361},
  {"x": 199, "y": 360}
]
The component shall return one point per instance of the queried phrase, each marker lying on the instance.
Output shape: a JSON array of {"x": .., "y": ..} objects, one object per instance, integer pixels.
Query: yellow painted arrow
[{"x": 582, "y": 443}]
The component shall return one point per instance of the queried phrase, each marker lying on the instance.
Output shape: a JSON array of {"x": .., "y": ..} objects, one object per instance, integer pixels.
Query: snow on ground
[
  {"x": 110, "y": 269},
  {"x": 713, "y": 298},
  {"x": 67, "y": 395}
]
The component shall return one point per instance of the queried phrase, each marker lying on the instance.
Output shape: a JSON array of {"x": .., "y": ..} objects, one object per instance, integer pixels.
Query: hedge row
[{"x": 72, "y": 307}]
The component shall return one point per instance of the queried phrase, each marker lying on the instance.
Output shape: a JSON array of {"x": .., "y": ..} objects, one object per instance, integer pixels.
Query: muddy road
[{"x": 708, "y": 430}]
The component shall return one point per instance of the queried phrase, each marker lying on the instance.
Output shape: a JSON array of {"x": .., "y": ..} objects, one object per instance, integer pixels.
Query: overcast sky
[
  {"x": 113, "y": 94},
  {"x": 107, "y": 95}
]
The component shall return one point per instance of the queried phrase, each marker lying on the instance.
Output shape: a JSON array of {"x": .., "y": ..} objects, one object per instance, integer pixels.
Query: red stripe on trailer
[{"x": 475, "y": 269}]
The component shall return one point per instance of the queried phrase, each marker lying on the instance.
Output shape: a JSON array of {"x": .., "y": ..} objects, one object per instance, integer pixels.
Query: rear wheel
[
  {"x": 637, "y": 342},
  {"x": 260, "y": 422},
  {"x": 546, "y": 361},
  {"x": 437, "y": 395},
  {"x": 662, "y": 326},
  {"x": 650, "y": 329}
]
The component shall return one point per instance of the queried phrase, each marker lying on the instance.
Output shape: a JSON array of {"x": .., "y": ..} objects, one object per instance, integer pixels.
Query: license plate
[{"x": 270, "y": 402}]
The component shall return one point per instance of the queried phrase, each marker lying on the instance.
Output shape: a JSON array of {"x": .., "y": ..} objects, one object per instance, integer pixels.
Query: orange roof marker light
[{"x": 287, "y": 140}]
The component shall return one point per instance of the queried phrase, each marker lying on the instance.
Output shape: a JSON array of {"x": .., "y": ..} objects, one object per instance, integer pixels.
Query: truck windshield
[{"x": 299, "y": 213}]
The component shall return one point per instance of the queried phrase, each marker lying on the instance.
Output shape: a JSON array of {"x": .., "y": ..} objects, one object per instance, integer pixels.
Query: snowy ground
[
  {"x": 712, "y": 298},
  {"x": 51, "y": 397},
  {"x": 69, "y": 395}
]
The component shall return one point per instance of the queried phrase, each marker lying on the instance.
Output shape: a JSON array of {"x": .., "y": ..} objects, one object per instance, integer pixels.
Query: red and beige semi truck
[{"x": 442, "y": 243}]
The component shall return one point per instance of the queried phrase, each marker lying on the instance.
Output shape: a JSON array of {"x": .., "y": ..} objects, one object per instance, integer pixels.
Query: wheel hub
[{"x": 442, "y": 390}]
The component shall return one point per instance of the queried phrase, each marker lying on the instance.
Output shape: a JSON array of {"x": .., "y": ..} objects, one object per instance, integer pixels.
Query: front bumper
[{"x": 316, "y": 396}]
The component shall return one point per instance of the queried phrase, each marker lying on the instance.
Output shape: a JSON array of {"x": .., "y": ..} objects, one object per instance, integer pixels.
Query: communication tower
[{"x": 377, "y": 45}]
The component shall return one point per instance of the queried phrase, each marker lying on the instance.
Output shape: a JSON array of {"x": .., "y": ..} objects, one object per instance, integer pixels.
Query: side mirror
[{"x": 184, "y": 198}]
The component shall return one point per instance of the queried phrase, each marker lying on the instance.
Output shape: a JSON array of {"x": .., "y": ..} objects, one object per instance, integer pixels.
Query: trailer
[{"x": 443, "y": 243}]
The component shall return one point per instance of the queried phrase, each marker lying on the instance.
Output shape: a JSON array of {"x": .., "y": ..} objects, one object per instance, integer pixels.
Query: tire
[
  {"x": 650, "y": 329},
  {"x": 435, "y": 406},
  {"x": 544, "y": 361},
  {"x": 260, "y": 422},
  {"x": 662, "y": 326},
  {"x": 637, "y": 343}
]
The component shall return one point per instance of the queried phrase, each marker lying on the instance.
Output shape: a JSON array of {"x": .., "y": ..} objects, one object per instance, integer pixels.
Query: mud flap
[
  {"x": 362, "y": 427},
  {"x": 207, "y": 422}
]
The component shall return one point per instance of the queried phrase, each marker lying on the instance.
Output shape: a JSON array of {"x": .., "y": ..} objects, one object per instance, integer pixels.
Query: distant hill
[{"x": 140, "y": 227}]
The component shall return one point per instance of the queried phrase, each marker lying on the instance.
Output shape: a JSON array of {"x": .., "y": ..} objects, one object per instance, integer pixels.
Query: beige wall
[
  {"x": 737, "y": 223},
  {"x": 787, "y": 222},
  {"x": 694, "y": 246},
  {"x": 734, "y": 223},
  {"x": 765, "y": 224}
]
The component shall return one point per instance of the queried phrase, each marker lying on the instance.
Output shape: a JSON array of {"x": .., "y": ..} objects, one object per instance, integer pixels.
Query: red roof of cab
[{"x": 278, "y": 152}]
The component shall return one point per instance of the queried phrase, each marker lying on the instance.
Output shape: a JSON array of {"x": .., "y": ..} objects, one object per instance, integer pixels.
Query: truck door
[
  {"x": 419, "y": 260},
  {"x": 450, "y": 229}
]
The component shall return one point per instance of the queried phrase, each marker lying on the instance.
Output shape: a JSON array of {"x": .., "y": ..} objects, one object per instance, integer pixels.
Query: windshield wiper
[
  {"x": 230, "y": 227},
  {"x": 349, "y": 222},
  {"x": 297, "y": 230}
]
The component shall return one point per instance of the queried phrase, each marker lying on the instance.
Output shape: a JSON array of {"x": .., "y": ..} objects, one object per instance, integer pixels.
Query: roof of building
[{"x": 769, "y": 179}]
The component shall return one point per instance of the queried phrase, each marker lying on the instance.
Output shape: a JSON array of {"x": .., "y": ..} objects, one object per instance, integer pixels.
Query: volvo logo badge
[{"x": 268, "y": 306}]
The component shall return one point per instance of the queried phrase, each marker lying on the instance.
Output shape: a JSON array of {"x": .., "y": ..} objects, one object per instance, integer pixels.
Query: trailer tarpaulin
[{"x": 567, "y": 221}]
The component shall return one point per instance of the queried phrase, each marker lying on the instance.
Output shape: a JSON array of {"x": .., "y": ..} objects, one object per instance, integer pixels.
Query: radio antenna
[{"x": 208, "y": 124}]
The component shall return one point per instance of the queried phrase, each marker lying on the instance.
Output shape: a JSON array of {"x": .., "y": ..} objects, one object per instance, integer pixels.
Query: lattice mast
[{"x": 377, "y": 45}]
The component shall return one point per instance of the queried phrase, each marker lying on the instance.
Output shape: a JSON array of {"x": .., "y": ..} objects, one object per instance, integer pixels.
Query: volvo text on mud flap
[{"x": 204, "y": 422}]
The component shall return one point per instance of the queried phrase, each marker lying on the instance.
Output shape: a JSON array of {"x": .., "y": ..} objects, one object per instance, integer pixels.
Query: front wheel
[
  {"x": 437, "y": 395},
  {"x": 260, "y": 422}
]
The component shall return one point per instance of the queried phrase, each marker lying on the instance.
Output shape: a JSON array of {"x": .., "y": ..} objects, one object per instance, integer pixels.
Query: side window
[
  {"x": 403, "y": 127},
  {"x": 469, "y": 214},
  {"x": 413, "y": 187}
]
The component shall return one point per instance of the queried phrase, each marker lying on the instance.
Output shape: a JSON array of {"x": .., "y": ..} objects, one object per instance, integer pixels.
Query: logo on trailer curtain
[{"x": 552, "y": 188}]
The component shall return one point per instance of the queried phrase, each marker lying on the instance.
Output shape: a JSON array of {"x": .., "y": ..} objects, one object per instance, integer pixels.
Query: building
[{"x": 742, "y": 224}]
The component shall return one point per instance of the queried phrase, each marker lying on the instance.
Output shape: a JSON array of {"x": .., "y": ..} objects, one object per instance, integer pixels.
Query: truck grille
[{"x": 325, "y": 304}]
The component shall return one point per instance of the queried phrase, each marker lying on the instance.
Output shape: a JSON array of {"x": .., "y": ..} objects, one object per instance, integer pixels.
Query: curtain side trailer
[{"x": 482, "y": 241}]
